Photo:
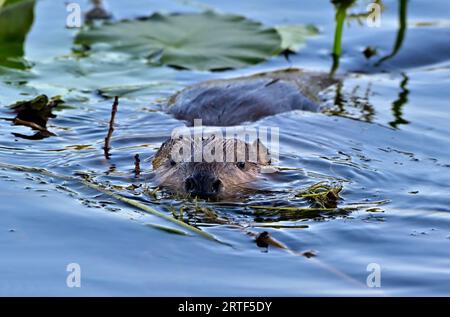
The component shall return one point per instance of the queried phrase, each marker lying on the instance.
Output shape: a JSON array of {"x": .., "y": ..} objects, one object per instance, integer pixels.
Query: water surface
[{"x": 385, "y": 139}]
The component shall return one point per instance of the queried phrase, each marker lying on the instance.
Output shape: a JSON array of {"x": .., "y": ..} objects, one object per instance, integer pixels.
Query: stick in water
[
  {"x": 137, "y": 166},
  {"x": 107, "y": 147}
]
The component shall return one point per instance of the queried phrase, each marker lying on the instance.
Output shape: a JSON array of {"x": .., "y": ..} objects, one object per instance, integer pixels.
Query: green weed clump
[{"x": 321, "y": 195}]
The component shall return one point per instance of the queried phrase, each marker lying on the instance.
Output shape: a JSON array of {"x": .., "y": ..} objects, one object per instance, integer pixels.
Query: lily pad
[
  {"x": 203, "y": 41},
  {"x": 293, "y": 36},
  {"x": 16, "y": 18}
]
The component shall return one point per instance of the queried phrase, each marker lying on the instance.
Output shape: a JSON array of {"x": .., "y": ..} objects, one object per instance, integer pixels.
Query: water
[{"x": 386, "y": 140}]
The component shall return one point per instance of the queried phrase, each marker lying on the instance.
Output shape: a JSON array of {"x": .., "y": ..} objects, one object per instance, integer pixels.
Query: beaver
[
  {"x": 230, "y": 102},
  {"x": 214, "y": 178}
]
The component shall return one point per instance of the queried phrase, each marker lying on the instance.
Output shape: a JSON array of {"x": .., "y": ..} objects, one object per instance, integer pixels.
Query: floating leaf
[
  {"x": 138, "y": 89},
  {"x": 203, "y": 41},
  {"x": 293, "y": 36},
  {"x": 16, "y": 18}
]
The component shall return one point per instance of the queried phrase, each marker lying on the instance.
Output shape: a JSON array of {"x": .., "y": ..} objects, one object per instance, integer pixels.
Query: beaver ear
[
  {"x": 263, "y": 152},
  {"x": 163, "y": 152},
  {"x": 167, "y": 145}
]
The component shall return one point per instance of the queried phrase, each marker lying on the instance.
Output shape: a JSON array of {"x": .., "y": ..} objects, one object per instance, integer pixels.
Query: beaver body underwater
[
  {"x": 231, "y": 102},
  {"x": 234, "y": 101}
]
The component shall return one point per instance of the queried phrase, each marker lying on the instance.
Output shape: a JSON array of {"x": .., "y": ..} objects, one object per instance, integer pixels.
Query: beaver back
[{"x": 245, "y": 99}]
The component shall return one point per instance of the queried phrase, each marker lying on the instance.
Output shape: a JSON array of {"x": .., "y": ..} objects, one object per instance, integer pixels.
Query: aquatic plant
[
  {"x": 202, "y": 41},
  {"x": 16, "y": 18},
  {"x": 402, "y": 21},
  {"x": 206, "y": 41},
  {"x": 34, "y": 114},
  {"x": 341, "y": 7}
]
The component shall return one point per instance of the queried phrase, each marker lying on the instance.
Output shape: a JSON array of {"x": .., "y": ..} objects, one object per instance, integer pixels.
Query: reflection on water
[
  {"x": 352, "y": 104},
  {"x": 341, "y": 8},
  {"x": 356, "y": 101},
  {"x": 398, "y": 104}
]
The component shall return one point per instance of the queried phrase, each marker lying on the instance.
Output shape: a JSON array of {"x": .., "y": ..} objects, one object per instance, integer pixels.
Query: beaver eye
[
  {"x": 172, "y": 163},
  {"x": 241, "y": 165}
]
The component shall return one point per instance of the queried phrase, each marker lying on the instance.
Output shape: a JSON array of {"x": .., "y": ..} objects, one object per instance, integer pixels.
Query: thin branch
[
  {"x": 137, "y": 166},
  {"x": 107, "y": 147},
  {"x": 34, "y": 126}
]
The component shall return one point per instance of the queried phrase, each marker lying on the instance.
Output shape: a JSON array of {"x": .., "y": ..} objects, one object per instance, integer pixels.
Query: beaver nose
[{"x": 203, "y": 185}]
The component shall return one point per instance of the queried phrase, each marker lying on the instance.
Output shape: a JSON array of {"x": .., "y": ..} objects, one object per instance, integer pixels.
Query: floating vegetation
[
  {"x": 281, "y": 213},
  {"x": 152, "y": 192},
  {"x": 196, "y": 213},
  {"x": 166, "y": 229},
  {"x": 35, "y": 114},
  {"x": 293, "y": 36},
  {"x": 322, "y": 195},
  {"x": 323, "y": 199},
  {"x": 318, "y": 201},
  {"x": 16, "y": 19},
  {"x": 202, "y": 41}
]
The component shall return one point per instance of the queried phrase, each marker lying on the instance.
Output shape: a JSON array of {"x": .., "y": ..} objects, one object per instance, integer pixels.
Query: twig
[
  {"x": 137, "y": 166},
  {"x": 107, "y": 147},
  {"x": 33, "y": 126}
]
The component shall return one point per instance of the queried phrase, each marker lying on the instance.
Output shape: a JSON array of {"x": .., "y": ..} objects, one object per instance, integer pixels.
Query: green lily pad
[
  {"x": 202, "y": 41},
  {"x": 135, "y": 90},
  {"x": 293, "y": 36},
  {"x": 16, "y": 18}
]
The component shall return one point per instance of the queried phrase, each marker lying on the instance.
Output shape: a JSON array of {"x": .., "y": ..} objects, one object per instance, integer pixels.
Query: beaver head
[{"x": 212, "y": 168}]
